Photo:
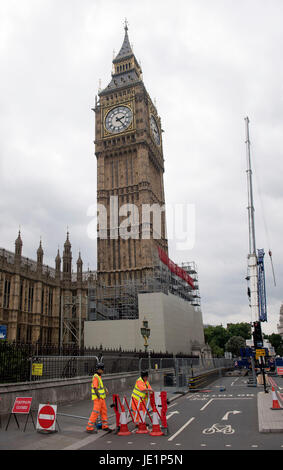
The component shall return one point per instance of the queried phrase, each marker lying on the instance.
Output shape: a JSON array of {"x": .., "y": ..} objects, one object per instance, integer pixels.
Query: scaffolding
[
  {"x": 120, "y": 302},
  {"x": 72, "y": 318}
]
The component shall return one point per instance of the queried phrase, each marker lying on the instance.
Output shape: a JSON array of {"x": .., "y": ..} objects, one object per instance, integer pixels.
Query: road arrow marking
[
  {"x": 225, "y": 417},
  {"x": 172, "y": 413}
]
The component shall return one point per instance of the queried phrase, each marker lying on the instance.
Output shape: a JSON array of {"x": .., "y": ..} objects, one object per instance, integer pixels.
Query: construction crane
[{"x": 256, "y": 275}]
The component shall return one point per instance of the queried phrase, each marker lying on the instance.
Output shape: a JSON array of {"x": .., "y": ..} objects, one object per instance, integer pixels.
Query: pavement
[{"x": 72, "y": 418}]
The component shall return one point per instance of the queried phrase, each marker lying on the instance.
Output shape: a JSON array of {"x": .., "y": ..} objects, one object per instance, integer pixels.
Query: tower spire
[
  {"x": 126, "y": 69},
  {"x": 126, "y": 49},
  {"x": 126, "y": 24}
]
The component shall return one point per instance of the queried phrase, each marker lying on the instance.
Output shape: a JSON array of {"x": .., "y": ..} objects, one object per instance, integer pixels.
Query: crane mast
[
  {"x": 252, "y": 257},
  {"x": 255, "y": 267}
]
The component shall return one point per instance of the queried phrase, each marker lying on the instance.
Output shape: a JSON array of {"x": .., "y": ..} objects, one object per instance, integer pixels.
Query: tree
[
  {"x": 216, "y": 350},
  {"x": 234, "y": 344},
  {"x": 216, "y": 335},
  {"x": 239, "y": 329},
  {"x": 277, "y": 342}
]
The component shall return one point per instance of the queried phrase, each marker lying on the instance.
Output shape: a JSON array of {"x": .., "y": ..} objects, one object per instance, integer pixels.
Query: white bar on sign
[{"x": 49, "y": 417}]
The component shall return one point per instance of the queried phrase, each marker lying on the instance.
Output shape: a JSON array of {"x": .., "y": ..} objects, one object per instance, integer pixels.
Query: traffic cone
[
  {"x": 142, "y": 428},
  {"x": 275, "y": 402},
  {"x": 156, "y": 430},
  {"x": 124, "y": 430}
]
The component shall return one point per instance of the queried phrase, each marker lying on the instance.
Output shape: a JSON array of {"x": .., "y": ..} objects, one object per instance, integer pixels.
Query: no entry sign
[{"x": 46, "y": 417}]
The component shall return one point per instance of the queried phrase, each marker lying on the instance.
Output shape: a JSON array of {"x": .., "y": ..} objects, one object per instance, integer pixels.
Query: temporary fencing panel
[{"x": 156, "y": 416}]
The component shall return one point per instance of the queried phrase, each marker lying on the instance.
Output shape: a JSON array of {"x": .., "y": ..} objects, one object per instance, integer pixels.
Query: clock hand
[{"x": 119, "y": 119}]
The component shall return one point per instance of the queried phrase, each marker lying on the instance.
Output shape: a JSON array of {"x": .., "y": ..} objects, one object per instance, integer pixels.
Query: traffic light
[{"x": 257, "y": 335}]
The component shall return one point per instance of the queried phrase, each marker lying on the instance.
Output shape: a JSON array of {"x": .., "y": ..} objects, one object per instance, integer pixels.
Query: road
[{"x": 210, "y": 420}]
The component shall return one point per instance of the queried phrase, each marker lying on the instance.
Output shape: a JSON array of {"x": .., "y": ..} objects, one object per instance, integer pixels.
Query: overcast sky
[{"x": 208, "y": 64}]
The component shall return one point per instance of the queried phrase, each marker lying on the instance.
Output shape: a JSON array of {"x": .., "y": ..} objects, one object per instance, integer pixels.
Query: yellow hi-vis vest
[
  {"x": 101, "y": 390},
  {"x": 137, "y": 393}
]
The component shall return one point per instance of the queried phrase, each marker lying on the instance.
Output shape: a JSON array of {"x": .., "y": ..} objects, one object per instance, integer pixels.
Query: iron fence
[
  {"x": 24, "y": 363},
  {"x": 17, "y": 359},
  {"x": 57, "y": 367}
]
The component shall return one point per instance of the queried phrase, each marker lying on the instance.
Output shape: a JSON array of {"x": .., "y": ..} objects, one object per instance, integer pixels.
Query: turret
[
  {"x": 67, "y": 260},
  {"x": 18, "y": 250},
  {"x": 79, "y": 268},
  {"x": 39, "y": 258},
  {"x": 58, "y": 265}
]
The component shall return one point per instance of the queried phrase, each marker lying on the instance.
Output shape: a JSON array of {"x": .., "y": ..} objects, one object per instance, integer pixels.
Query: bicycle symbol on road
[{"x": 224, "y": 428}]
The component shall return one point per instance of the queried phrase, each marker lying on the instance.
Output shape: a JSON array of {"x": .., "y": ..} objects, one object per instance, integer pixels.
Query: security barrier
[
  {"x": 157, "y": 400},
  {"x": 197, "y": 382}
]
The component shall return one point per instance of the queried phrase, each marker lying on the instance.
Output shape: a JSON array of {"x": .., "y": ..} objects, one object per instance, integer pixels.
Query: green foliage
[
  {"x": 277, "y": 342},
  {"x": 234, "y": 344},
  {"x": 240, "y": 329},
  {"x": 14, "y": 363},
  {"x": 218, "y": 337}
]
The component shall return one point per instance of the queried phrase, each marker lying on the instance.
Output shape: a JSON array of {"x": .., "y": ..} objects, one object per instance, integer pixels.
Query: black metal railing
[{"x": 16, "y": 360}]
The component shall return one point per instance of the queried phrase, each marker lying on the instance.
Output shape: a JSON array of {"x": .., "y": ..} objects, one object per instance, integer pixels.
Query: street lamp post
[{"x": 145, "y": 332}]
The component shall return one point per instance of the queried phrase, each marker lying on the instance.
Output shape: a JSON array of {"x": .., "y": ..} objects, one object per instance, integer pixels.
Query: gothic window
[
  {"x": 30, "y": 298},
  {"x": 50, "y": 302},
  {"x": 42, "y": 300},
  {"x": 7, "y": 287},
  {"x": 21, "y": 296}
]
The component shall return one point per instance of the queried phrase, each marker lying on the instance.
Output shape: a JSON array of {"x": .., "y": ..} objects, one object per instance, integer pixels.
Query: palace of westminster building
[{"x": 40, "y": 304}]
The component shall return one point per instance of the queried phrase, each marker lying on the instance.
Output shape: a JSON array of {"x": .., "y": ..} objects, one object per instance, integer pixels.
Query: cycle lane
[{"x": 227, "y": 420}]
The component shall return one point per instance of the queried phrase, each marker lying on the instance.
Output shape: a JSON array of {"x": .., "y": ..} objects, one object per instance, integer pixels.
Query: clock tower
[{"x": 130, "y": 167}]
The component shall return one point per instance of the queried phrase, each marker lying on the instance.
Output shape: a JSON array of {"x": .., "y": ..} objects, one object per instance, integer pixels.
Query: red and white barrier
[{"x": 157, "y": 400}]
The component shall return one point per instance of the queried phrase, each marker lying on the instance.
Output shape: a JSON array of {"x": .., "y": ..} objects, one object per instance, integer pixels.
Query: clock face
[
  {"x": 154, "y": 129},
  {"x": 118, "y": 119}
]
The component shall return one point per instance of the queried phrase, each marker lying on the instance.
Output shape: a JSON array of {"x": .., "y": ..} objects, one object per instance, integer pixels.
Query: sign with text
[
  {"x": 37, "y": 369},
  {"x": 22, "y": 405},
  {"x": 280, "y": 370},
  {"x": 259, "y": 353}
]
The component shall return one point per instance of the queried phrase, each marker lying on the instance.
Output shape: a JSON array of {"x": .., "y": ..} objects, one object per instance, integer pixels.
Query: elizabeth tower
[{"x": 130, "y": 167}]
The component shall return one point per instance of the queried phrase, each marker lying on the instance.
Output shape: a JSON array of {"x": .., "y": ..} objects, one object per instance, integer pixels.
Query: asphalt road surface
[{"x": 216, "y": 419}]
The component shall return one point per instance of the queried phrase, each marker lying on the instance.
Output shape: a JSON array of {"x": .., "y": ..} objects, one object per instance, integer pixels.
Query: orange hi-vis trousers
[
  {"x": 138, "y": 405},
  {"x": 99, "y": 408}
]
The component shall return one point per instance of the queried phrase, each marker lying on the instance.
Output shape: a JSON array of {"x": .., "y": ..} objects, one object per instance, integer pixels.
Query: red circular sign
[{"x": 46, "y": 417}]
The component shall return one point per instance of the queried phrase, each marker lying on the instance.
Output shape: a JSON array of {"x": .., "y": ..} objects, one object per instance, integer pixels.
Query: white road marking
[
  {"x": 224, "y": 398},
  {"x": 234, "y": 381},
  {"x": 181, "y": 429},
  {"x": 173, "y": 404},
  {"x": 235, "y": 412},
  {"x": 172, "y": 413},
  {"x": 203, "y": 408}
]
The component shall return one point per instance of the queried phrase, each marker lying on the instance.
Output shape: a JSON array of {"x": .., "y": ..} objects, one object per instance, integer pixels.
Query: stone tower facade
[{"x": 130, "y": 167}]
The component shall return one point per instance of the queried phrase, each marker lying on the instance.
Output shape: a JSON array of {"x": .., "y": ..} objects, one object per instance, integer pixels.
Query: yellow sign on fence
[{"x": 37, "y": 369}]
